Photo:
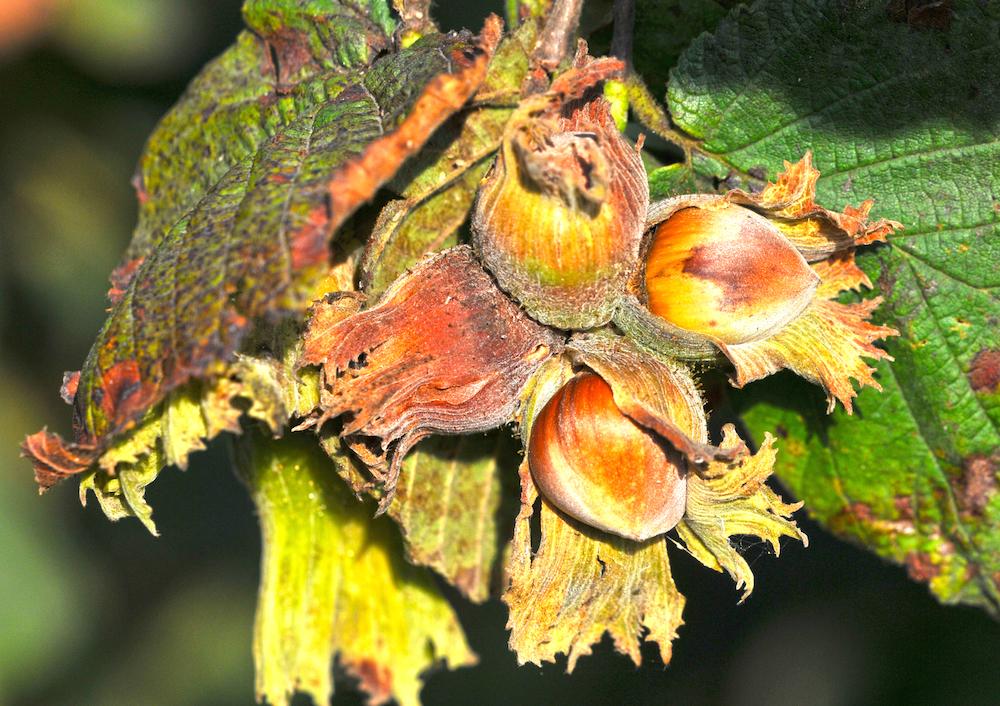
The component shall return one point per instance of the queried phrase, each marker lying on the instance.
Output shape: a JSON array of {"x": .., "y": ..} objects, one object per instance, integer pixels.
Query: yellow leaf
[{"x": 334, "y": 582}]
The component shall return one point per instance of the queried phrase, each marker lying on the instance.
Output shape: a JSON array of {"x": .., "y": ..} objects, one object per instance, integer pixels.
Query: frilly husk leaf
[
  {"x": 736, "y": 501},
  {"x": 581, "y": 583},
  {"x": 827, "y": 344},
  {"x": 817, "y": 232}
]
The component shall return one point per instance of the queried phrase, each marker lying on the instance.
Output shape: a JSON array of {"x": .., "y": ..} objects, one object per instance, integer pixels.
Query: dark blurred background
[{"x": 95, "y": 613}]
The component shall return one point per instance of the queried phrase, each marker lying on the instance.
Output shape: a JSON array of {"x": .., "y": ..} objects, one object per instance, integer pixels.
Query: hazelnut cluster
[{"x": 574, "y": 314}]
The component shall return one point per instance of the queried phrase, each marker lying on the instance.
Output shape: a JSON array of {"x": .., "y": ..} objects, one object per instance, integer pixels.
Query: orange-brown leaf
[
  {"x": 257, "y": 244},
  {"x": 817, "y": 232}
]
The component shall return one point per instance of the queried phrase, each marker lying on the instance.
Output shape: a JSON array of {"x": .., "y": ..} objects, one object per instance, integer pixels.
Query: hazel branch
[
  {"x": 624, "y": 30},
  {"x": 553, "y": 43}
]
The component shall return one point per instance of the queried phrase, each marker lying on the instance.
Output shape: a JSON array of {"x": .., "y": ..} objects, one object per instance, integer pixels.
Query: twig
[
  {"x": 624, "y": 28},
  {"x": 553, "y": 44}
]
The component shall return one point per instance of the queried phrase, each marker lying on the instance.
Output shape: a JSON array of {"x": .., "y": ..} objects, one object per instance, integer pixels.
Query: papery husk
[{"x": 442, "y": 352}]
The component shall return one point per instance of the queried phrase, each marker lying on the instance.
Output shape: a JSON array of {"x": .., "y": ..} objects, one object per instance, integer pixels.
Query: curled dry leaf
[
  {"x": 266, "y": 225},
  {"x": 815, "y": 231}
]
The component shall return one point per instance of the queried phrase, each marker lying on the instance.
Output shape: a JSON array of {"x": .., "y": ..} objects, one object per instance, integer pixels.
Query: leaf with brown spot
[
  {"x": 265, "y": 386},
  {"x": 984, "y": 371},
  {"x": 256, "y": 243},
  {"x": 769, "y": 83}
]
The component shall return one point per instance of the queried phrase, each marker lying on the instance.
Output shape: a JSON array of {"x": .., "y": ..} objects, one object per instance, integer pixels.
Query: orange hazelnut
[
  {"x": 726, "y": 272},
  {"x": 600, "y": 467}
]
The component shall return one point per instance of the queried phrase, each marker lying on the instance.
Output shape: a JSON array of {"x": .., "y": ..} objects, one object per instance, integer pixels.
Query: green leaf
[
  {"x": 447, "y": 504},
  {"x": 439, "y": 185},
  {"x": 671, "y": 180},
  {"x": 909, "y": 116},
  {"x": 334, "y": 582},
  {"x": 255, "y": 241},
  {"x": 663, "y": 28}
]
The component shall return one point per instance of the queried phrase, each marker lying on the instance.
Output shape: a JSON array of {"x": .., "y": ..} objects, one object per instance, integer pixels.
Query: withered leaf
[
  {"x": 447, "y": 502},
  {"x": 292, "y": 56},
  {"x": 255, "y": 245},
  {"x": 265, "y": 386}
]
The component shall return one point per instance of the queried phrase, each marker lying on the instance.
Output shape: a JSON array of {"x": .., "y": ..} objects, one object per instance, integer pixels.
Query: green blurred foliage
[{"x": 95, "y": 613}]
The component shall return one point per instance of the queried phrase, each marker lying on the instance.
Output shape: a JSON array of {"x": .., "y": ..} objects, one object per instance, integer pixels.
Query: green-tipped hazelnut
[{"x": 559, "y": 218}]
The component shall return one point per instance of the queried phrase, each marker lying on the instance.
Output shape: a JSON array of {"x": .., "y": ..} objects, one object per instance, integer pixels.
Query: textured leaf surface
[
  {"x": 910, "y": 117},
  {"x": 256, "y": 243},
  {"x": 265, "y": 386},
  {"x": 294, "y": 54},
  {"x": 334, "y": 582},
  {"x": 447, "y": 502}
]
